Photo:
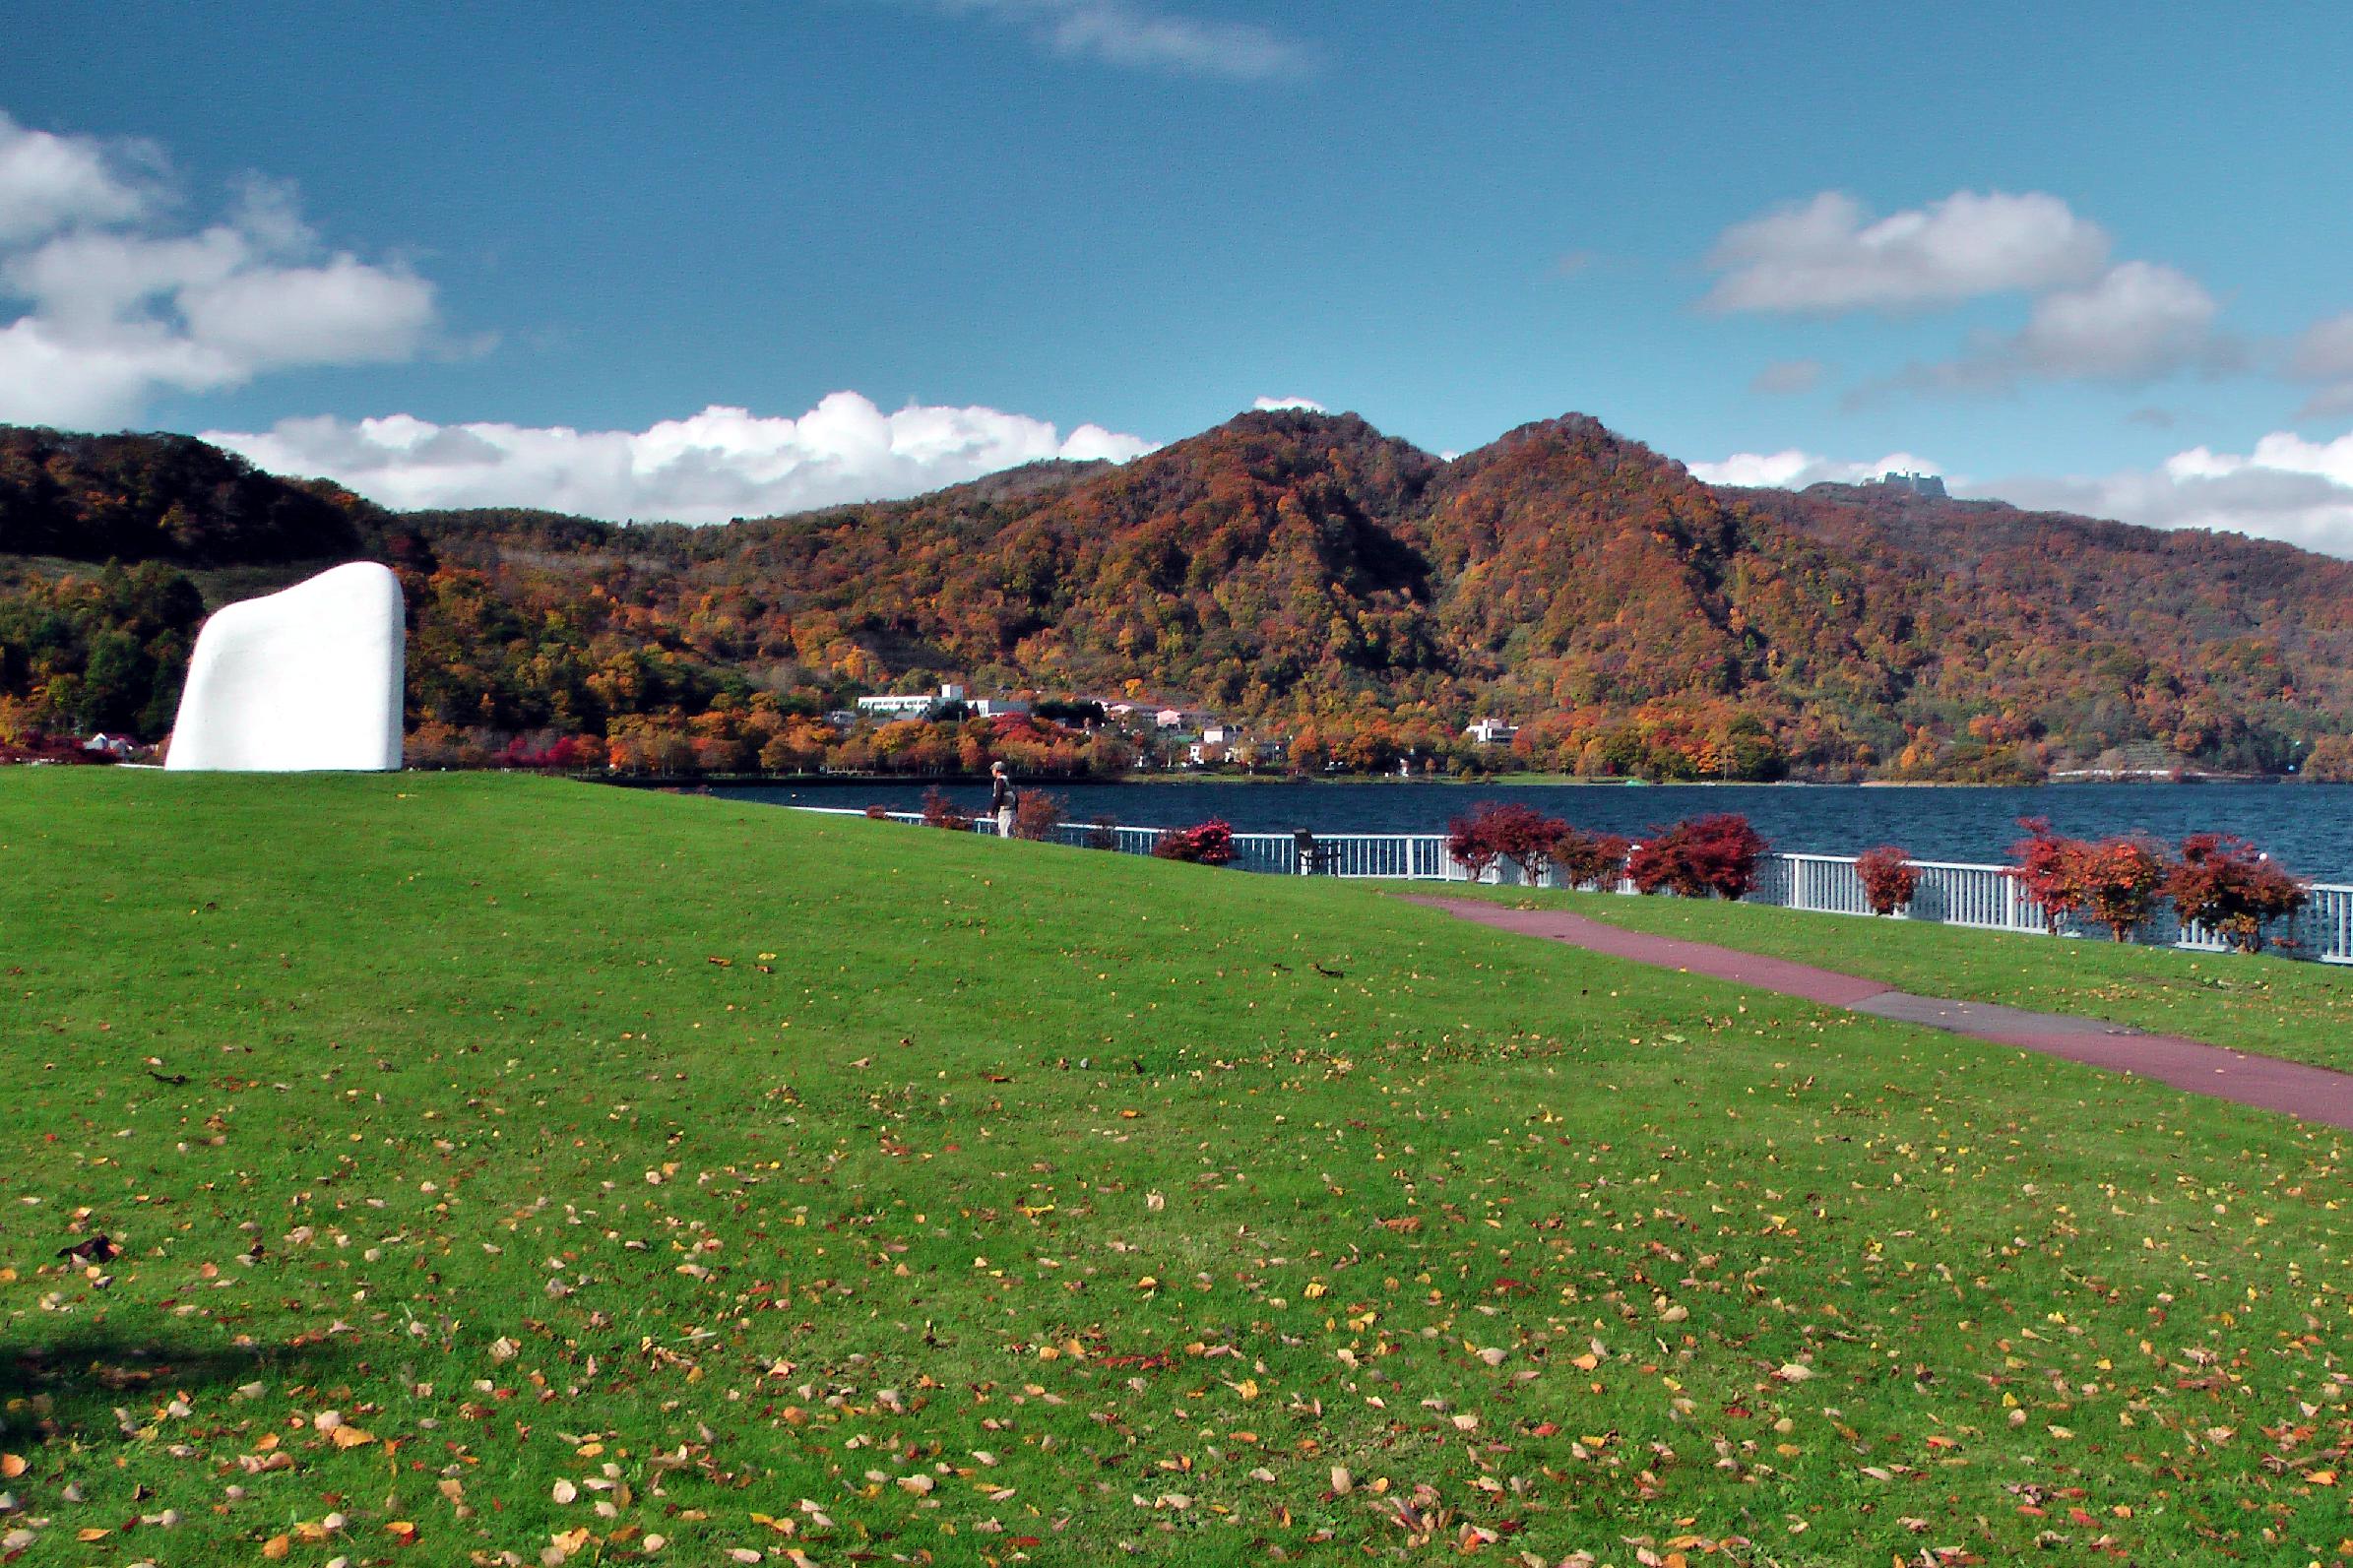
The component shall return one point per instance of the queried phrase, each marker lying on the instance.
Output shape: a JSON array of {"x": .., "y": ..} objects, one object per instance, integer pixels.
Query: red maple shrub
[
  {"x": 2227, "y": 885},
  {"x": 2051, "y": 869},
  {"x": 939, "y": 811},
  {"x": 1467, "y": 842},
  {"x": 1888, "y": 878},
  {"x": 1508, "y": 830},
  {"x": 878, "y": 812},
  {"x": 1590, "y": 859},
  {"x": 552, "y": 754},
  {"x": 1705, "y": 856},
  {"x": 1209, "y": 842},
  {"x": 1037, "y": 814},
  {"x": 2120, "y": 879},
  {"x": 1526, "y": 836}
]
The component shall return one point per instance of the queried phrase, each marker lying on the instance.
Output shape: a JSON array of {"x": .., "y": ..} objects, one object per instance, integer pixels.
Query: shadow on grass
[{"x": 95, "y": 1383}]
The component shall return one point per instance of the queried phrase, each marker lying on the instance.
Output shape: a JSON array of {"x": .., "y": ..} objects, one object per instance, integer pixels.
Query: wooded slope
[{"x": 1298, "y": 571}]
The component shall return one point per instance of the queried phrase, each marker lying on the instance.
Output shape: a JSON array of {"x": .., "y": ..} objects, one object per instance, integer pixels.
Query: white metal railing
[
  {"x": 1948, "y": 893},
  {"x": 2327, "y": 922}
]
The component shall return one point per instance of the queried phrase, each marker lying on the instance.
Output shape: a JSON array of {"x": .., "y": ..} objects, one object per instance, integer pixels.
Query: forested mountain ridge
[{"x": 1303, "y": 573}]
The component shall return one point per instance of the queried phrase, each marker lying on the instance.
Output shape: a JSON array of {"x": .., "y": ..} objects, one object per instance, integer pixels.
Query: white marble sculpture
[{"x": 308, "y": 680}]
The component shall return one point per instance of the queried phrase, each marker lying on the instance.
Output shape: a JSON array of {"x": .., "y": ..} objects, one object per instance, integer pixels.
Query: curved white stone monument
[{"x": 307, "y": 679}]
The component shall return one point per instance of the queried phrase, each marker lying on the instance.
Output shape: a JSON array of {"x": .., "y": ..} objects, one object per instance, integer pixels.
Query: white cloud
[
  {"x": 48, "y": 181},
  {"x": 2286, "y": 489},
  {"x": 1794, "y": 470},
  {"x": 2126, "y": 324},
  {"x": 1310, "y": 404},
  {"x": 2137, "y": 323},
  {"x": 1146, "y": 36},
  {"x": 722, "y": 463},
  {"x": 119, "y": 307},
  {"x": 1828, "y": 254}
]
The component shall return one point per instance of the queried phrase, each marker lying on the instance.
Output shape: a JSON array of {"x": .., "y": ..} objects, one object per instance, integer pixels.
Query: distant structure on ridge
[{"x": 1929, "y": 484}]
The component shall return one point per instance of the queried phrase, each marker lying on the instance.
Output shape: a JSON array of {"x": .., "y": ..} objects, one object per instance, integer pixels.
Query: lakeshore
[{"x": 2309, "y": 829}]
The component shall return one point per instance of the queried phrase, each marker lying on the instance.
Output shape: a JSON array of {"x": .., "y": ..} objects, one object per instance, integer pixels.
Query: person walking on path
[{"x": 1002, "y": 798}]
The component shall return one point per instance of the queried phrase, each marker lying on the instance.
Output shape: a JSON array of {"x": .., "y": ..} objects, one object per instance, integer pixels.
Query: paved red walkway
[{"x": 2314, "y": 1094}]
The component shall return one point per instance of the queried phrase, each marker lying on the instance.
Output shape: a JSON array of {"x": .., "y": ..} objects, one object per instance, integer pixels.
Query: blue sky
[{"x": 2085, "y": 255}]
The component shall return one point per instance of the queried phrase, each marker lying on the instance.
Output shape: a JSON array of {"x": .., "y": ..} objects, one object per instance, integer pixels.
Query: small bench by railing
[{"x": 1315, "y": 857}]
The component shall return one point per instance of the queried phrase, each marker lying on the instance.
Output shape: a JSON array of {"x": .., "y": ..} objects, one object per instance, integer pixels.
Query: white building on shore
[
  {"x": 1492, "y": 732},
  {"x": 912, "y": 704}
]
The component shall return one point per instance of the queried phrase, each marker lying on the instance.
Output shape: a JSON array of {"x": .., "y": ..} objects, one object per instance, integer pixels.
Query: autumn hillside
[
  {"x": 508, "y": 1170},
  {"x": 1340, "y": 593}
]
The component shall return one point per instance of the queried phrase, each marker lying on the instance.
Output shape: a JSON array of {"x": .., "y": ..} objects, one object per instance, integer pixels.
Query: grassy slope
[
  {"x": 1078, "y": 1162},
  {"x": 2277, "y": 1006}
]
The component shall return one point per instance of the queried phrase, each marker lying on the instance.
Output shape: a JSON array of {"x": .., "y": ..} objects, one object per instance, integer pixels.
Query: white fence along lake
[{"x": 1950, "y": 893}]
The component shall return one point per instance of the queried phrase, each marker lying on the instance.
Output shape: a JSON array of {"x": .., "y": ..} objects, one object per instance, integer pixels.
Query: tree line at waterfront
[{"x": 1350, "y": 601}]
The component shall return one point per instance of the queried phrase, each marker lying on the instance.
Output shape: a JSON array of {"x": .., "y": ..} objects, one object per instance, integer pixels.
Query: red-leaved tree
[
  {"x": 1209, "y": 842},
  {"x": 1713, "y": 855},
  {"x": 2120, "y": 879},
  {"x": 1521, "y": 835},
  {"x": 1036, "y": 815},
  {"x": 1590, "y": 859},
  {"x": 1467, "y": 842},
  {"x": 2051, "y": 869},
  {"x": 2228, "y": 885},
  {"x": 939, "y": 811},
  {"x": 1888, "y": 877}
]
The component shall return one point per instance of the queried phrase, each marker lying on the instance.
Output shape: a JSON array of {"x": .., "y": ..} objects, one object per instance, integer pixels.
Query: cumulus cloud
[
  {"x": 1308, "y": 404},
  {"x": 2137, "y": 323},
  {"x": 1794, "y": 470},
  {"x": 2286, "y": 489},
  {"x": 1828, "y": 254},
  {"x": 49, "y": 181},
  {"x": 1146, "y": 36},
  {"x": 117, "y": 305},
  {"x": 2124, "y": 322},
  {"x": 719, "y": 464},
  {"x": 1788, "y": 378}
]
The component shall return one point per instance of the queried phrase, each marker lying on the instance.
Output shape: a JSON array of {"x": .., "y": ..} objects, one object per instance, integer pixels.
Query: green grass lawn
[
  {"x": 2279, "y": 1007},
  {"x": 505, "y": 1167}
]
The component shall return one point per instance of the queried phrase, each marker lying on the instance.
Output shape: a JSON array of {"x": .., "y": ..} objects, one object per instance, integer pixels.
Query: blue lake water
[{"x": 2308, "y": 828}]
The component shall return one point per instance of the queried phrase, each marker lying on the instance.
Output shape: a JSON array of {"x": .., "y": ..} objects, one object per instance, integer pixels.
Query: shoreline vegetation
[
  {"x": 1285, "y": 592},
  {"x": 498, "y": 1162},
  {"x": 1455, "y": 780}
]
